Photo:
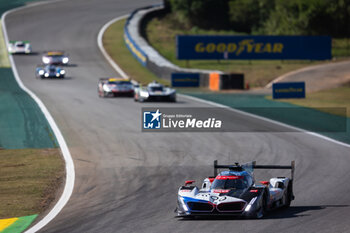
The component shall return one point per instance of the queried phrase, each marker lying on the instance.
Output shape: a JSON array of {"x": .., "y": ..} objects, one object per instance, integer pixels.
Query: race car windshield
[
  {"x": 55, "y": 55},
  {"x": 159, "y": 88},
  {"x": 20, "y": 45},
  {"x": 229, "y": 184}
]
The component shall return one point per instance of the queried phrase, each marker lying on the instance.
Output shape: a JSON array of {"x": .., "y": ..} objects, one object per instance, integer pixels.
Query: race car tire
[
  {"x": 288, "y": 196},
  {"x": 260, "y": 213},
  {"x": 105, "y": 94}
]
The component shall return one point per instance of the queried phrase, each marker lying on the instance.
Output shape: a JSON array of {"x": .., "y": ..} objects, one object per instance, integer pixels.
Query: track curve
[{"x": 126, "y": 181}]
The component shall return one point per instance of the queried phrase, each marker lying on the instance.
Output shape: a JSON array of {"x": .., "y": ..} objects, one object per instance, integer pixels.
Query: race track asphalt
[{"x": 126, "y": 180}]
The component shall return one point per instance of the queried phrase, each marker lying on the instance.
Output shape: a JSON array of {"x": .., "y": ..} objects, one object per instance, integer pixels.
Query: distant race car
[
  {"x": 112, "y": 87},
  {"x": 155, "y": 92},
  {"x": 50, "y": 71},
  {"x": 19, "y": 47},
  {"x": 234, "y": 192},
  {"x": 55, "y": 58}
]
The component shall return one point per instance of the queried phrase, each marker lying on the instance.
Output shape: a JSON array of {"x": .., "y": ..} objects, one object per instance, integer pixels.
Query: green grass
[
  {"x": 4, "y": 60},
  {"x": 161, "y": 33},
  {"x": 341, "y": 47},
  {"x": 332, "y": 98},
  {"x": 29, "y": 180},
  {"x": 6, "y": 5},
  {"x": 113, "y": 41}
]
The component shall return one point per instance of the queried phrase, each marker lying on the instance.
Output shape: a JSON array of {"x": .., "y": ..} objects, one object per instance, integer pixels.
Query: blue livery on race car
[{"x": 50, "y": 71}]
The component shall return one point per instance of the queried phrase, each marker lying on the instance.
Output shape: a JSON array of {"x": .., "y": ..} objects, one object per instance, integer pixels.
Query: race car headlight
[
  {"x": 41, "y": 72},
  {"x": 57, "y": 75},
  {"x": 46, "y": 60},
  {"x": 106, "y": 88},
  {"x": 184, "y": 206},
  {"x": 144, "y": 94},
  {"x": 62, "y": 72},
  {"x": 249, "y": 206},
  {"x": 65, "y": 60},
  {"x": 46, "y": 75}
]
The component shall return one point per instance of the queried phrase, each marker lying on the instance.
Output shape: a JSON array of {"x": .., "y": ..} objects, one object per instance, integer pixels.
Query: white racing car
[
  {"x": 55, "y": 58},
  {"x": 234, "y": 192},
  {"x": 154, "y": 92},
  {"x": 19, "y": 47},
  {"x": 112, "y": 87}
]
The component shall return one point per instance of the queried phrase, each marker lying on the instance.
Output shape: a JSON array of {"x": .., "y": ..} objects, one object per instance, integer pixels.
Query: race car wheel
[
  {"x": 262, "y": 209},
  {"x": 288, "y": 196},
  {"x": 105, "y": 94}
]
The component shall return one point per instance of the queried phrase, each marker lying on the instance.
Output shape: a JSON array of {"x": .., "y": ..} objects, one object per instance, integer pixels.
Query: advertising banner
[
  {"x": 288, "y": 90},
  {"x": 185, "y": 80},
  {"x": 253, "y": 47}
]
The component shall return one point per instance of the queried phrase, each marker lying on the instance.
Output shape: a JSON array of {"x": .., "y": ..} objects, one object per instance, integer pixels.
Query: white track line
[
  {"x": 266, "y": 119},
  {"x": 118, "y": 69},
  {"x": 102, "y": 49},
  {"x": 70, "y": 173}
]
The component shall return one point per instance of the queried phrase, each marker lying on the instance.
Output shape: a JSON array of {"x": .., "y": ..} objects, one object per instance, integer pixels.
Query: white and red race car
[
  {"x": 112, "y": 87},
  {"x": 234, "y": 192}
]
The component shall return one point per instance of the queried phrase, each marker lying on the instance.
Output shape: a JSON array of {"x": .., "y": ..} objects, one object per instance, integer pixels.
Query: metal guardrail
[{"x": 135, "y": 50}]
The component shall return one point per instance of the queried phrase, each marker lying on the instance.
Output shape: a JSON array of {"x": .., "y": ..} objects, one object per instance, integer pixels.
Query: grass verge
[
  {"x": 8, "y": 5},
  {"x": 29, "y": 180},
  {"x": 113, "y": 41},
  {"x": 4, "y": 60},
  {"x": 332, "y": 98},
  {"x": 161, "y": 33}
]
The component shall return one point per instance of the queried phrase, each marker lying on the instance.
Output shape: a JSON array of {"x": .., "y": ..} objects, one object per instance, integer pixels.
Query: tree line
[{"x": 268, "y": 17}]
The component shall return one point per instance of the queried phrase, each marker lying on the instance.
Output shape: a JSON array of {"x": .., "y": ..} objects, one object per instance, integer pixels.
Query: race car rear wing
[
  {"x": 24, "y": 41},
  {"x": 253, "y": 165},
  {"x": 116, "y": 78},
  {"x": 291, "y": 167}
]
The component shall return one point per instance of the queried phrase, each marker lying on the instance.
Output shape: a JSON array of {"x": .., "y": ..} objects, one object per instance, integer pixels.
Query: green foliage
[
  {"x": 202, "y": 13},
  {"x": 313, "y": 17},
  {"x": 246, "y": 15},
  {"x": 273, "y": 17}
]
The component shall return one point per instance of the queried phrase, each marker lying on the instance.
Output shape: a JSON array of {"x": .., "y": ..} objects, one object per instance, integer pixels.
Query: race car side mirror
[
  {"x": 187, "y": 182},
  {"x": 265, "y": 182}
]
